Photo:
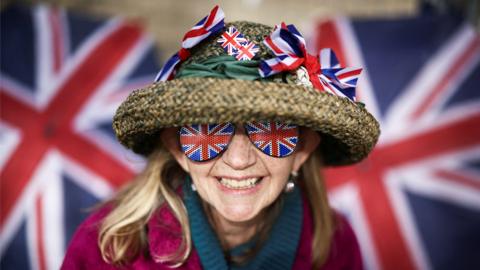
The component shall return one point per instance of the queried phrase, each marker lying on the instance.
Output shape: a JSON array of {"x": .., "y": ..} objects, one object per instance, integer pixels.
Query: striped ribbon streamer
[
  {"x": 289, "y": 47},
  {"x": 324, "y": 72},
  {"x": 336, "y": 80},
  {"x": 211, "y": 24}
]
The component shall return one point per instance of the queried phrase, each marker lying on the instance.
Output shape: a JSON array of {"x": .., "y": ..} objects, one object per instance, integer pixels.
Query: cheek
[
  {"x": 279, "y": 170},
  {"x": 200, "y": 174}
]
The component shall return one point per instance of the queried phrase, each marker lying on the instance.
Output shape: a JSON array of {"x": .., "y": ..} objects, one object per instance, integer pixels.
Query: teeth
[{"x": 239, "y": 184}]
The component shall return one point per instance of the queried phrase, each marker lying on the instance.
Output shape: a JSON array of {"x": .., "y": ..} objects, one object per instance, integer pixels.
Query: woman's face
[{"x": 242, "y": 181}]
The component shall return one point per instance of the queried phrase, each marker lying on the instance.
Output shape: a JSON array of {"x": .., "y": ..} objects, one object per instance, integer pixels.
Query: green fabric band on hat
[{"x": 224, "y": 67}]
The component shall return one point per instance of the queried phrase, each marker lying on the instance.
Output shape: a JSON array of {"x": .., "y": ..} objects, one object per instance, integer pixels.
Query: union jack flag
[
  {"x": 235, "y": 44},
  {"x": 62, "y": 78},
  {"x": 202, "y": 142},
  {"x": 415, "y": 202},
  {"x": 273, "y": 138}
]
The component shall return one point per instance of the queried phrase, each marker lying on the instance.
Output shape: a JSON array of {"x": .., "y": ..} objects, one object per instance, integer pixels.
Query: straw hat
[{"x": 348, "y": 130}]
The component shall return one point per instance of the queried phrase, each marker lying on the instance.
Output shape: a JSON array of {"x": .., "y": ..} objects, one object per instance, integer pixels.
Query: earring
[
  {"x": 291, "y": 182},
  {"x": 194, "y": 188}
]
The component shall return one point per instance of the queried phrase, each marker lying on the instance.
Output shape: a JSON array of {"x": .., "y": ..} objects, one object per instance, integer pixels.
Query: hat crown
[{"x": 254, "y": 32}]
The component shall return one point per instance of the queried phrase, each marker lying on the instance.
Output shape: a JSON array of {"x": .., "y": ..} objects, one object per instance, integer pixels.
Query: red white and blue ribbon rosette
[
  {"x": 324, "y": 72},
  {"x": 210, "y": 25}
]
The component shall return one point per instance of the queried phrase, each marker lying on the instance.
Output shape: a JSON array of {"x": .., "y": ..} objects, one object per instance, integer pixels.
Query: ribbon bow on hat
[
  {"x": 206, "y": 27},
  {"x": 325, "y": 73}
]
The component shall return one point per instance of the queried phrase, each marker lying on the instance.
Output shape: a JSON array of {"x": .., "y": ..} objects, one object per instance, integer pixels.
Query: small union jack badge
[{"x": 235, "y": 44}]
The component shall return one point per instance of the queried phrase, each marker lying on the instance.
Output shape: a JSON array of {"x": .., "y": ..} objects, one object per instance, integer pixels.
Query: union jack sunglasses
[{"x": 202, "y": 142}]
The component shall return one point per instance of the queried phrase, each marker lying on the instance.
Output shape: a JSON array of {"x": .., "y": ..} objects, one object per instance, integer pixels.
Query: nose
[{"x": 240, "y": 153}]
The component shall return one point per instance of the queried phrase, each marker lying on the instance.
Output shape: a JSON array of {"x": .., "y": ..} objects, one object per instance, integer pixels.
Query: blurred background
[{"x": 65, "y": 66}]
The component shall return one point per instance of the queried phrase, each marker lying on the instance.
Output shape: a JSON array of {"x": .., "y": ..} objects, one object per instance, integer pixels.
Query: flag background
[
  {"x": 414, "y": 203},
  {"x": 62, "y": 77}
]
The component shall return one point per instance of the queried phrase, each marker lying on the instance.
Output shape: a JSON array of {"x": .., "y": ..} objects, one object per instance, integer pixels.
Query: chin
[{"x": 238, "y": 213}]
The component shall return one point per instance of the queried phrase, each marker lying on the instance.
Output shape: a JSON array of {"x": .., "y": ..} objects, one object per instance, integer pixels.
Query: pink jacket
[{"x": 83, "y": 251}]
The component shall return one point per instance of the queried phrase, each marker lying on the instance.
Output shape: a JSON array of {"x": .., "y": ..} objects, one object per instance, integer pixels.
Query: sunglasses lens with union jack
[{"x": 201, "y": 142}]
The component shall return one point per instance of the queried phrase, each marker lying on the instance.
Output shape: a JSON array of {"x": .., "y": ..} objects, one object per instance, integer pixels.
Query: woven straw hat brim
[{"x": 348, "y": 131}]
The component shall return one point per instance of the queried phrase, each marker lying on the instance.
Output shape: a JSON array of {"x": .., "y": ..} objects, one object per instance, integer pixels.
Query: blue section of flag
[
  {"x": 474, "y": 164},
  {"x": 78, "y": 204},
  {"x": 468, "y": 89},
  {"x": 146, "y": 65},
  {"x": 450, "y": 233},
  {"x": 81, "y": 29},
  {"x": 14, "y": 257},
  {"x": 267, "y": 149},
  {"x": 284, "y": 151},
  {"x": 211, "y": 153},
  {"x": 106, "y": 128},
  {"x": 16, "y": 26},
  {"x": 196, "y": 155}
]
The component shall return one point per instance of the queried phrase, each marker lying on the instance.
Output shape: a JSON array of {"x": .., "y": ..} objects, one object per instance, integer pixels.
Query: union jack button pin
[{"x": 235, "y": 44}]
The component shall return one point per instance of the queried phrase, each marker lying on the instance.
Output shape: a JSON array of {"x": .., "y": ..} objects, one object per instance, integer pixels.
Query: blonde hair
[{"x": 123, "y": 236}]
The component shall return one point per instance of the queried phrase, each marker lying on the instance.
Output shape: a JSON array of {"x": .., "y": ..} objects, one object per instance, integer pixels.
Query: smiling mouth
[{"x": 240, "y": 184}]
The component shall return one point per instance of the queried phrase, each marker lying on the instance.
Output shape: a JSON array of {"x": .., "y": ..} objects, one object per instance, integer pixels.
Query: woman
[{"x": 235, "y": 130}]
